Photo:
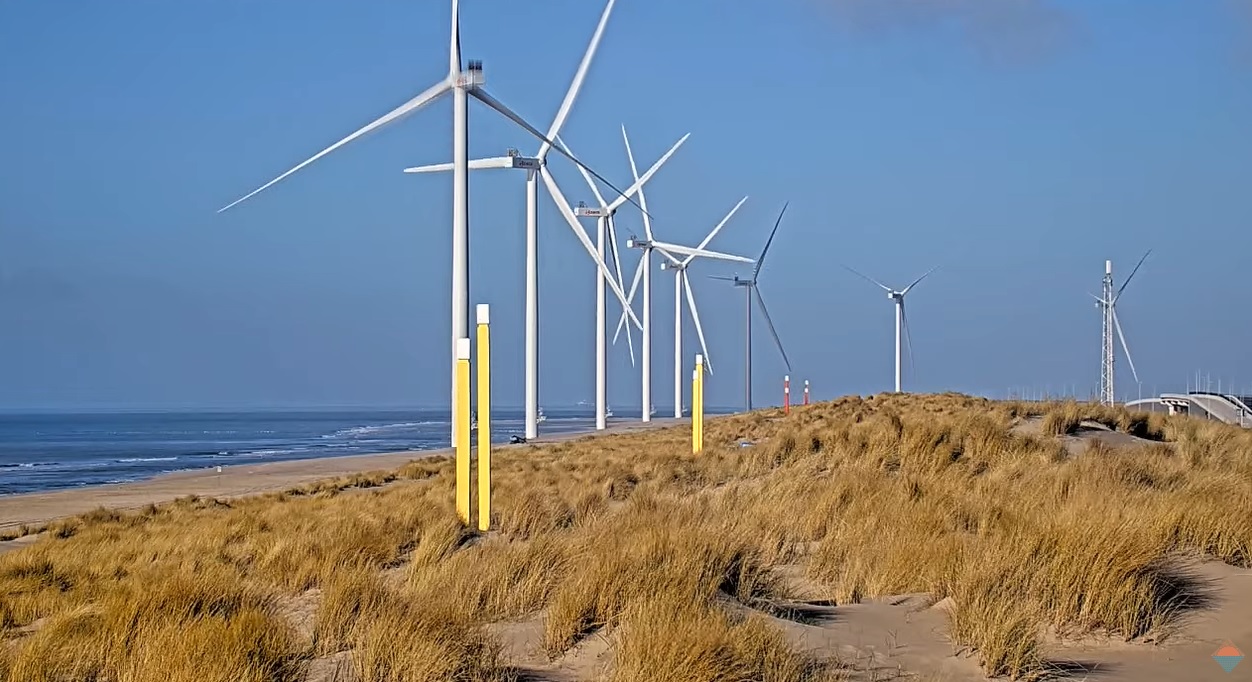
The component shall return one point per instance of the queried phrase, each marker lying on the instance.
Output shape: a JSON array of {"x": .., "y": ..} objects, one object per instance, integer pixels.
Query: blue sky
[{"x": 1018, "y": 147}]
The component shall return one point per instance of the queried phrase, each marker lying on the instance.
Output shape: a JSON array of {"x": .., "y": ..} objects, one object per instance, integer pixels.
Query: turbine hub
[{"x": 471, "y": 77}]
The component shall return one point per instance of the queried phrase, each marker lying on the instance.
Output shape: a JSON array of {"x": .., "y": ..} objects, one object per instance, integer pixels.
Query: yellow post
[
  {"x": 700, "y": 379},
  {"x": 484, "y": 418},
  {"x": 695, "y": 410},
  {"x": 697, "y": 406},
  {"x": 461, "y": 414}
]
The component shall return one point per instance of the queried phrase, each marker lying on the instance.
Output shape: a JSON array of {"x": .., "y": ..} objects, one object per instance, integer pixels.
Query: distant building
[{"x": 1232, "y": 409}]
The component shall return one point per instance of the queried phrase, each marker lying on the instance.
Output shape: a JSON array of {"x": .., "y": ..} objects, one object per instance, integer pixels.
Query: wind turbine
[
  {"x": 462, "y": 83},
  {"x": 752, "y": 290},
  {"x": 605, "y": 223},
  {"x": 532, "y": 166},
  {"x": 671, "y": 252},
  {"x": 901, "y": 319},
  {"x": 644, "y": 271},
  {"x": 1108, "y": 307}
]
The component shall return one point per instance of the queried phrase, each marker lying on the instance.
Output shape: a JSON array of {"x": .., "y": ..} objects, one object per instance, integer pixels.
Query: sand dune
[{"x": 899, "y": 537}]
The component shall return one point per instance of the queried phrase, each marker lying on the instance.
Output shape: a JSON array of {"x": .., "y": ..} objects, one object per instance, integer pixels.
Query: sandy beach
[{"x": 234, "y": 480}]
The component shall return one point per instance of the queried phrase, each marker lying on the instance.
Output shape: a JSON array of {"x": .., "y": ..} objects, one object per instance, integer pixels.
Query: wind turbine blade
[
  {"x": 579, "y": 76},
  {"x": 1122, "y": 337},
  {"x": 770, "y": 323},
  {"x": 595, "y": 191},
  {"x": 668, "y": 256},
  {"x": 617, "y": 265},
  {"x": 1132, "y": 276},
  {"x": 432, "y": 168},
  {"x": 634, "y": 171},
  {"x": 717, "y": 229},
  {"x": 908, "y": 336},
  {"x": 431, "y": 93},
  {"x": 692, "y": 254},
  {"x": 906, "y": 289},
  {"x": 474, "y": 164},
  {"x": 638, "y": 186},
  {"x": 454, "y": 47},
  {"x": 869, "y": 279},
  {"x": 695, "y": 317},
  {"x": 761, "y": 261},
  {"x": 484, "y": 97},
  {"x": 630, "y": 296},
  {"x": 566, "y": 212}
]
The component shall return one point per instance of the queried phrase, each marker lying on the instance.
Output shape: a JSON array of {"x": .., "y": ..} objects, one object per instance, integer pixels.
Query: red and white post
[
  {"x": 787, "y": 394},
  {"x": 806, "y": 391}
]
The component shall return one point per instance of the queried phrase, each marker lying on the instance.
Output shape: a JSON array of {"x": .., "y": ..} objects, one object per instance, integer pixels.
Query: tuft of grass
[
  {"x": 187, "y": 627},
  {"x": 670, "y": 637},
  {"x": 702, "y": 558},
  {"x": 402, "y": 642}
]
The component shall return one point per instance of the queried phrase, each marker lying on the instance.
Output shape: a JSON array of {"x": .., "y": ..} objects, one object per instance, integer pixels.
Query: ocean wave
[
  {"x": 83, "y": 464},
  {"x": 132, "y": 460},
  {"x": 270, "y": 452},
  {"x": 381, "y": 428}
]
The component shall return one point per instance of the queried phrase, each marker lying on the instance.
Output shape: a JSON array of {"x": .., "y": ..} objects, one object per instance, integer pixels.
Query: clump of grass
[
  {"x": 402, "y": 642},
  {"x": 670, "y": 637},
  {"x": 187, "y": 627},
  {"x": 346, "y": 597},
  {"x": 701, "y": 560},
  {"x": 988, "y": 617},
  {"x": 1062, "y": 421},
  {"x": 494, "y": 580}
]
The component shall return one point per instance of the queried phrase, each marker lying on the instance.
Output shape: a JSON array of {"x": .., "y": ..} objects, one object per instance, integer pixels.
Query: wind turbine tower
[
  {"x": 668, "y": 251},
  {"x": 902, "y": 320},
  {"x": 1107, "y": 303},
  {"x": 682, "y": 285},
  {"x": 752, "y": 291},
  {"x": 605, "y": 215},
  {"x": 463, "y": 83}
]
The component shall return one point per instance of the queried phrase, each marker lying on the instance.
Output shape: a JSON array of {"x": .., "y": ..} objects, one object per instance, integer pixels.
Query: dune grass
[{"x": 673, "y": 557}]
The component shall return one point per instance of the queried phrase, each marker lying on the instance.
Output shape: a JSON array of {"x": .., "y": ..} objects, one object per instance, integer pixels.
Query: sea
[{"x": 42, "y": 452}]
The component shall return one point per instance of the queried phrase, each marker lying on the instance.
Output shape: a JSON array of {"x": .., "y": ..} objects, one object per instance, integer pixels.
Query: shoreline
[{"x": 240, "y": 480}]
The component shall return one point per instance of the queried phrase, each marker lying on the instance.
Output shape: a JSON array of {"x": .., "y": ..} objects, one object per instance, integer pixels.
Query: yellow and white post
[
  {"x": 484, "y": 417},
  {"x": 697, "y": 406},
  {"x": 695, "y": 410},
  {"x": 461, "y": 414}
]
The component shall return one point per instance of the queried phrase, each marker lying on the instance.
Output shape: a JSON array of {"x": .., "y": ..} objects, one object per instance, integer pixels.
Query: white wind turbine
[
  {"x": 1108, "y": 308},
  {"x": 532, "y": 165},
  {"x": 901, "y": 319},
  {"x": 462, "y": 83},
  {"x": 605, "y": 223},
  {"x": 681, "y": 283}
]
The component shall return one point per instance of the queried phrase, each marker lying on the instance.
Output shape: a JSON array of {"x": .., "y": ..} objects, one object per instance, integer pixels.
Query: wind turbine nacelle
[
  {"x": 526, "y": 163},
  {"x": 589, "y": 212},
  {"x": 471, "y": 77}
]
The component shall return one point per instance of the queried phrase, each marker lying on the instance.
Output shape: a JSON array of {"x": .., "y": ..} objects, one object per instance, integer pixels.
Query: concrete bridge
[{"x": 1231, "y": 409}]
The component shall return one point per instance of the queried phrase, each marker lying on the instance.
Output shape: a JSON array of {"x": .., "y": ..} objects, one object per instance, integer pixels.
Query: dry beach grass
[{"x": 683, "y": 565}]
